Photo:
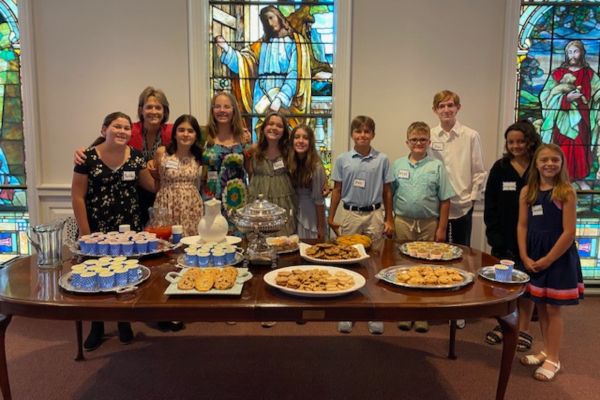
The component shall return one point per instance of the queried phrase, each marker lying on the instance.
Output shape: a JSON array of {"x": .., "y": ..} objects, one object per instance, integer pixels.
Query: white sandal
[
  {"x": 546, "y": 375},
  {"x": 533, "y": 359}
]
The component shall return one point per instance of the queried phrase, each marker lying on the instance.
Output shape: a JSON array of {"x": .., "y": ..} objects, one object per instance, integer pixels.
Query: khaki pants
[
  {"x": 368, "y": 223},
  {"x": 415, "y": 229}
]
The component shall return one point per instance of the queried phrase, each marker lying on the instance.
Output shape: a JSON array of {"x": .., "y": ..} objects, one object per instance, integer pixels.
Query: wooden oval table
[{"x": 29, "y": 291}]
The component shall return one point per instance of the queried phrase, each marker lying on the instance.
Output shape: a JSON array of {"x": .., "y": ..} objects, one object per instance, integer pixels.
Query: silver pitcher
[{"x": 49, "y": 243}]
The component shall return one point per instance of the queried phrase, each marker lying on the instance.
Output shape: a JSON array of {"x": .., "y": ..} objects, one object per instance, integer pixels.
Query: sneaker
[
  {"x": 268, "y": 324},
  {"x": 95, "y": 337},
  {"x": 125, "y": 332},
  {"x": 345, "y": 326},
  {"x": 375, "y": 327},
  {"x": 405, "y": 325},
  {"x": 421, "y": 326}
]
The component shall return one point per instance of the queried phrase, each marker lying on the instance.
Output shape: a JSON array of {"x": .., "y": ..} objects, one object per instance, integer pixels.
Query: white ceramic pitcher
[{"x": 213, "y": 226}]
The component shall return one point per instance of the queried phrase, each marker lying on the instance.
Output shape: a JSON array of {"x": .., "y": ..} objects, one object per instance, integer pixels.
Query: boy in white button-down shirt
[{"x": 459, "y": 148}]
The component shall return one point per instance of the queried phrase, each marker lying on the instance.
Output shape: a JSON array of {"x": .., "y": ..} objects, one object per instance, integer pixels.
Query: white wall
[{"x": 94, "y": 57}]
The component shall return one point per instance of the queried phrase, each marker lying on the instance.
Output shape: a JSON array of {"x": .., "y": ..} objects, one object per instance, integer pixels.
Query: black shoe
[
  {"x": 125, "y": 332},
  {"x": 164, "y": 326},
  {"x": 95, "y": 337},
  {"x": 176, "y": 326}
]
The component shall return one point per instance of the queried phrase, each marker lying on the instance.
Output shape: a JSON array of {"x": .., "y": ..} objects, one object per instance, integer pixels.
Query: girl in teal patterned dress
[
  {"x": 224, "y": 157},
  {"x": 268, "y": 170}
]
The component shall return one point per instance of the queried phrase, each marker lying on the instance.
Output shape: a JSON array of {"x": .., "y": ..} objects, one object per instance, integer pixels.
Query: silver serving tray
[
  {"x": 389, "y": 275},
  {"x": 456, "y": 253},
  {"x": 65, "y": 282},
  {"x": 163, "y": 246},
  {"x": 518, "y": 277}
]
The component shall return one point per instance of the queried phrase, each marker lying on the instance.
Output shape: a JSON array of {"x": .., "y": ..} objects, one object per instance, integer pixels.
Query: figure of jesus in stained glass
[
  {"x": 274, "y": 73},
  {"x": 570, "y": 100}
]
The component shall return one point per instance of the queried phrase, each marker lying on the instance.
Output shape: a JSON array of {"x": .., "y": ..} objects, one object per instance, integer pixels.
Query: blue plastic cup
[
  {"x": 127, "y": 248},
  {"x": 204, "y": 259}
]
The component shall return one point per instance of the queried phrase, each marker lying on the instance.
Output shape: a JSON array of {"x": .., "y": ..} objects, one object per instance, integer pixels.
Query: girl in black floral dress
[{"x": 104, "y": 195}]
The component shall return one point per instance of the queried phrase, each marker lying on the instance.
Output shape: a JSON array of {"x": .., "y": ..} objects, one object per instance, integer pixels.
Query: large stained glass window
[
  {"x": 276, "y": 56},
  {"x": 559, "y": 91},
  {"x": 14, "y": 219}
]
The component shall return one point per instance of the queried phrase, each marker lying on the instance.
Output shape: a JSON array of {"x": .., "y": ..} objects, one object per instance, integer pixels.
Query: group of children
[{"x": 426, "y": 195}]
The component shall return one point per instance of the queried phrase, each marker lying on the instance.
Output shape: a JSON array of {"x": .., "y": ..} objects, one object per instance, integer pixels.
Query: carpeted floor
[{"x": 290, "y": 361}]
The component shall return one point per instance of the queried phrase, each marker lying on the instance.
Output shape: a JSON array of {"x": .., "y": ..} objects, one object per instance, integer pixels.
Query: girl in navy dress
[{"x": 546, "y": 237}]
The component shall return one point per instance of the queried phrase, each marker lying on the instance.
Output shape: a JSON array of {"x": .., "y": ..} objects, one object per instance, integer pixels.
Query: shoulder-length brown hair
[
  {"x": 302, "y": 169},
  {"x": 160, "y": 96},
  {"x": 562, "y": 187},
  {"x": 284, "y": 140},
  {"x": 237, "y": 127}
]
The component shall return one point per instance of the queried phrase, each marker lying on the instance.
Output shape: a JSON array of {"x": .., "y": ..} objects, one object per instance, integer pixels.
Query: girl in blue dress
[{"x": 546, "y": 237}]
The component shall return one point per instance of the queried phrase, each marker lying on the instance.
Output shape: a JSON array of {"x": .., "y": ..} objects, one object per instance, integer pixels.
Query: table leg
[
  {"x": 78, "y": 331},
  {"x": 510, "y": 328},
  {"x": 4, "y": 383},
  {"x": 452, "y": 340}
]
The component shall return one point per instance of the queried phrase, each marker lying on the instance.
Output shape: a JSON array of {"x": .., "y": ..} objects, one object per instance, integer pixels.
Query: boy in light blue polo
[
  {"x": 362, "y": 181},
  {"x": 422, "y": 195}
]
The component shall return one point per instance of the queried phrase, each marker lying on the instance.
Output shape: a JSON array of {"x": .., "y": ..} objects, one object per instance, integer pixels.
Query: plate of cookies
[
  {"x": 432, "y": 251},
  {"x": 314, "y": 280},
  {"x": 335, "y": 254},
  {"x": 207, "y": 281},
  {"x": 426, "y": 277}
]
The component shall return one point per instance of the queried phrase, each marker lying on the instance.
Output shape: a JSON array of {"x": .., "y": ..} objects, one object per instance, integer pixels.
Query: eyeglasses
[{"x": 418, "y": 140}]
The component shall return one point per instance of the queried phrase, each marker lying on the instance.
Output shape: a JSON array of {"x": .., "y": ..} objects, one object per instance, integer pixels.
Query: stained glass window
[
  {"x": 14, "y": 218},
  {"x": 274, "y": 55}
]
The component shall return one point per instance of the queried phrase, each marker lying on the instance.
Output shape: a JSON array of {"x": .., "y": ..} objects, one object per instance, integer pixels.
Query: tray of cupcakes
[
  {"x": 105, "y": 274},
  {"x": 129, "y": 244}
]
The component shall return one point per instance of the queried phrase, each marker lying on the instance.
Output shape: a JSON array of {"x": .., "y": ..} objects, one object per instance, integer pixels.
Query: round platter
[
  {"x": 389, "y": 275},
  {"x": 359, "y": 281},
  {"x": 518, "y": 277},
  {"x": 65, "y": 282},
  {"x": 455, "y": 252},
  {"x": 163, "y": 246}
]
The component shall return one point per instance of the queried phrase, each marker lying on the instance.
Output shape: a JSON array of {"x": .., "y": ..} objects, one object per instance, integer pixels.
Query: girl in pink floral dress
[{"x": 179, "y": 167}]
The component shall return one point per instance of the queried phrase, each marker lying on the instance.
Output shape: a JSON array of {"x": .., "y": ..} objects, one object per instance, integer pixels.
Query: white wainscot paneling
[{"x": 54, "y": 202}]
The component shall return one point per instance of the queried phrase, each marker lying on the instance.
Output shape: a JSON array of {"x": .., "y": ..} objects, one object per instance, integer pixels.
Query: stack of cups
[{"x": 177, "y": 233}]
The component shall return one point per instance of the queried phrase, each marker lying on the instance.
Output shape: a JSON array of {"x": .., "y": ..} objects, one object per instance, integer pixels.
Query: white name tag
[
  {"x": 172, "y": 164},
  {"x": 128, "y": 175},
  {"x": 213, "y": 175},
  {"x": 359, "y": 183},
  {"x": 509, "y": 186},
  {"x": 537, "y": 210},
  {"x": 403, "y": 174},
  {"x": 437, "y": 146},
  {"x": 278, "y": 164}
]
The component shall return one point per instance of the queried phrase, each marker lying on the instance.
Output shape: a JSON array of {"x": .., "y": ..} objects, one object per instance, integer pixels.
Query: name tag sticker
[
  {"x": 537, "y": 210},
  {"x": 278, "y": 164},
  {"x": 437, "y": 146},
  {"x": 172, "y": 164},
  {"x": 213, "y": 175},
  {"x": 403, "y": 174},
  {"x": 509, "y": 186},
  {"x": 128, "y": 175},
  {"x": 359, "y": 183}
]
